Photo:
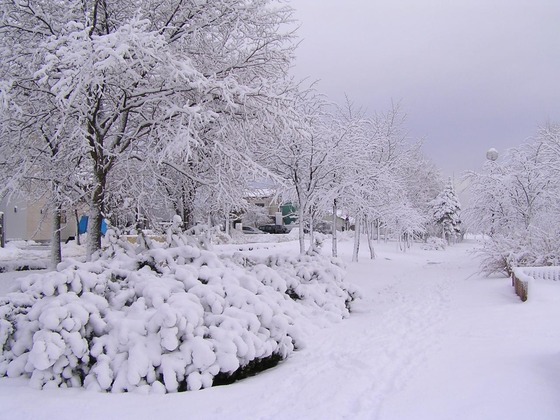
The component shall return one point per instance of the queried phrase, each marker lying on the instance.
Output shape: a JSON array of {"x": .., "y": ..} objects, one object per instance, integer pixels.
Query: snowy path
[
  {"x": 355, "y": 365},
  {"x": 430, "y": 340},
  {"x": 499, "y": 358}
]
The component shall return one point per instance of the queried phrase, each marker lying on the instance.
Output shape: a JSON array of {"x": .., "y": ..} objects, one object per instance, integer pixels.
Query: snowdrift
[{"x": 164, "y": 319}]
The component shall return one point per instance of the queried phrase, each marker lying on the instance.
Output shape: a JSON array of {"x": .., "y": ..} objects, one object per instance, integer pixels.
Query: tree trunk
[
  {"x": 2, "y": 231},
  {"x": 334, "y": 231},
  {"x": 97, "y": 210},
  {"x": 311, "y": 236},
  {"x": 356, "y": 240},
  {"x": 56, "y": 252},
  {"x": 227, "y": 222},
  {"x": 301, "y": 232},
  {"x": 77, "y": 227},
  {"x": 369, "y": 232},
  {"x": 187, "y": 204},
  {"x": 93, "y": 232}
]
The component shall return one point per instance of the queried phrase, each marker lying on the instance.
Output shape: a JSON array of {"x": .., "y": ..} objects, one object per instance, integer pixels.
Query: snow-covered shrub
[
  {"x": 346, "y": 236},
  {"x": 311, "y": 280},
  {"x": 318, "y": 241},
  {"x": 434, "y": 243},
  {"x": 533, "y": 248},
  {"x": 163, "y": 319}
]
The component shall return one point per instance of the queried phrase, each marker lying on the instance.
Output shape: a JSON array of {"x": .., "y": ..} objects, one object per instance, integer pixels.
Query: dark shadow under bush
[
  {"x": 23, "y": 266},
  {"x": 250, "y": 369}
]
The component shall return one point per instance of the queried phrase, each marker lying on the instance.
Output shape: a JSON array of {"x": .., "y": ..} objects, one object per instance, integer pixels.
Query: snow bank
[
  {"x": 17, "y": 256},
  {"x": 163, "y": 319}
]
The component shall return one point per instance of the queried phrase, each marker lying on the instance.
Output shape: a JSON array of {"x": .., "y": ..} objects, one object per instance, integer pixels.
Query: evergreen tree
[{"x": 446, "y": 211}]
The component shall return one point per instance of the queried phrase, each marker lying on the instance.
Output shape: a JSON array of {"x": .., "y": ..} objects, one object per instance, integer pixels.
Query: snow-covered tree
[
  {"x": 423, "y": 181},
  {"x": 145, "y": 80},
  {"x": 379, "y": 191},
  {"x": 36, "y": 162},
  {"x": 549, "y": 139},
  {"x": 515, "y": 202},
  {"x": 301, "y": 155},
  {"x": 368, "y": 170},
  {"x": 446, "y": 213}
]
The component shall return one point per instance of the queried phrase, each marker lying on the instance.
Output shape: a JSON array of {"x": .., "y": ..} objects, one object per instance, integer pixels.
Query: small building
[
  {"x": 31, "y": 220},
  {"x": 264, "y": 207}
]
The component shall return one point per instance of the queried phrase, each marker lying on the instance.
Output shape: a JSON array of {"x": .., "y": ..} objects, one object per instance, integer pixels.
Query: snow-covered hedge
[{"x": 163, "y": 319}]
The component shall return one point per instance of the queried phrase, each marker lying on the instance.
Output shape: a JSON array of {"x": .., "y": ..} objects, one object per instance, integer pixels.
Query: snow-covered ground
[{"x": 430, "y": 339}]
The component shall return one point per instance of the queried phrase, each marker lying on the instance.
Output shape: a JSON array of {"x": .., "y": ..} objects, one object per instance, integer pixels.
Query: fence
[{"x": 522, "y": 278}]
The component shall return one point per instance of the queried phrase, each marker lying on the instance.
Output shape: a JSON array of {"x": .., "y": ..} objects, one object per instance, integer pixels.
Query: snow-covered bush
[
  {"x": 532, "y": 248},
  {"x": 434, "y": 243},
  {"x": 163, "y": 319},
  {"x": 317, "y": 244},
  {"x": 314, "y": 281},
  {"x": 200, "y": 235}
]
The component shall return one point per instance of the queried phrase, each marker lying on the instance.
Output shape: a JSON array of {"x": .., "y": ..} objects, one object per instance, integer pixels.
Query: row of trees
[
  {"x": 115, "y": 103},
  {"x": 515, "y": 201},
  {"x": 343, "y": 159},
  {"x": 131, "y": 108}
]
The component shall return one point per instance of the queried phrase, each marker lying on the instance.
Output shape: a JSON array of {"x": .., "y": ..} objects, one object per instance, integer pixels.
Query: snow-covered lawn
[{"x": 430, "y": 339}]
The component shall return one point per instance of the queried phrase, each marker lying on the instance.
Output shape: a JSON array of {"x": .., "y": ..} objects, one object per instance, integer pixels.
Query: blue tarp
[
  {"x": 82, "y": 227},
  {"x": 84, "y": 224}
]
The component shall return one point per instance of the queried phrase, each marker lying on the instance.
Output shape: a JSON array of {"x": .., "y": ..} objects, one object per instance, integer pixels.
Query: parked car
[
  {"x": 251, "y": 230},
  {"x": 323, "y": 227},
  {"x": 274, "y": 229}
]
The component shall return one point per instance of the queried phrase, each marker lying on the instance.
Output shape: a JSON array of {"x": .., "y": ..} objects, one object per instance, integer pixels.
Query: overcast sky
[{"x": 469, "y": 74}]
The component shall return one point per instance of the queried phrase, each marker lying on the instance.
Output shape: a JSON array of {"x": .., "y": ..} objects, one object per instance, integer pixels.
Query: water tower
[{"x": 492, "y": 154}]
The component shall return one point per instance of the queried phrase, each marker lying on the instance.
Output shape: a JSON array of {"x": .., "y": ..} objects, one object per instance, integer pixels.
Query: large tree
[{"x": 145, "y": 80}]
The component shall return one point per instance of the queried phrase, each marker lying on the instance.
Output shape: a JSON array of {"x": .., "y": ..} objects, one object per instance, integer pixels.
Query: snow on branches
[
  {"x": 446, "y": 211},
  {"x": 111, "y": 83},
  {"x": 515, "y": 203}
]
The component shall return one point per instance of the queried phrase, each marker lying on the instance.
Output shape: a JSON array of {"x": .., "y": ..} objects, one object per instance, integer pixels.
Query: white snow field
[{"x": 431, "y": 339}]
